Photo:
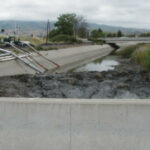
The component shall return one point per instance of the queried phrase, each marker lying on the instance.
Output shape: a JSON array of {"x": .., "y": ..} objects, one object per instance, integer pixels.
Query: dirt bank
[{"x": 128, "y": 80}]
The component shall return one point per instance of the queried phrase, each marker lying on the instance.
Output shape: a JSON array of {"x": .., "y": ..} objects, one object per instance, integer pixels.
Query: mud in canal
[
  {"x": 127, "y": 80},
  {"x": 99, "y": 65}
]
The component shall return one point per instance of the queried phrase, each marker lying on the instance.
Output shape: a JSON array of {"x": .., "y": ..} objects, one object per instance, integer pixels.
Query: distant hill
[
  {"x": 109, "y": 28},
  {"x": 24, "y": 25},
  {"x": 39, "y": 27}
]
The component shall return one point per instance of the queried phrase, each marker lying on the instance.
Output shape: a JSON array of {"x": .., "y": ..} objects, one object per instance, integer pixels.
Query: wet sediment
[{"x": 127, "y": 80}]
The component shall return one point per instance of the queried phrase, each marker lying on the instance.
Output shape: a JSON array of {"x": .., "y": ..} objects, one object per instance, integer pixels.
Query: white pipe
[
  {"x": 30, "y": 57},
  {"x": 4, "y": 54},
  {"x": 25, "y": 62}
]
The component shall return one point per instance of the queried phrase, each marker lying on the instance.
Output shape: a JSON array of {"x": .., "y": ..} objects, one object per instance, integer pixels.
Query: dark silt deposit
[{"x": 126, "y": 81}]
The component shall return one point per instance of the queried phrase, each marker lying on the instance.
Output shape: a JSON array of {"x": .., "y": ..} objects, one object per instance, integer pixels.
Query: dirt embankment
[{"x": 128, "y": 80}]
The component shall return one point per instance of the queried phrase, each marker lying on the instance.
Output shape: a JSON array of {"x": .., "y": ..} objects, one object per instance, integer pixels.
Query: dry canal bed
[{"x": 126, "y": 80}]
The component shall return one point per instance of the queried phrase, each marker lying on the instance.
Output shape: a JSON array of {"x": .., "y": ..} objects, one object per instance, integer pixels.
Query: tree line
[{"x": 70, "y": 26}]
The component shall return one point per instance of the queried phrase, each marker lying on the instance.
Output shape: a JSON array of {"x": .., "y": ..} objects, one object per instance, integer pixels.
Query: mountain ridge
[{"x": 29, "y": 26}]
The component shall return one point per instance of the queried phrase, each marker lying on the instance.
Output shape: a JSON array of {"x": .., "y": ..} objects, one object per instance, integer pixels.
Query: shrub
[
  {"x": 142, "y": 58},
  {"x": 53, "y": 33},
  {"x": 41, "y": 48},
  {"x": 64, "y": 38},
  {"x": 33, "y": 40},
  {"x": 96, "y": 41},
  {"x": 128, "y": 51},
  {"x": 139, "y": 53},
  {"x": 97, "y": 33}
]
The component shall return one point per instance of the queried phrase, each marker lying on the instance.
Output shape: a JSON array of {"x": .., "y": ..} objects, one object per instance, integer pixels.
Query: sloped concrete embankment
[
  {"x": 68, "y": 58},
  {"x": 31, "y": 124}
]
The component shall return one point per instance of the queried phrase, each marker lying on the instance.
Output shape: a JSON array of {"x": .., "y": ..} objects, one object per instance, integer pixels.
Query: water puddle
[{"x": 102, "y": 65}]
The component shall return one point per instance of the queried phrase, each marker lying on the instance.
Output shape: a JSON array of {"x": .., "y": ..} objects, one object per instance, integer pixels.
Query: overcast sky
[{"x": 127, "y": 13}]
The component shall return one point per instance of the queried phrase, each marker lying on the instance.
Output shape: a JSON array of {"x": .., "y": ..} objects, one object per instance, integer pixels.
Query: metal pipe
[
  {"x": 4, "y": 54},
  {"x": 35, "y": 60},
  {"x": 39, "y": 63},
  {"x": 10, "y": 56},
  {"x": 11, "y": 44},
  {"x": 25, "y": 62},
  {"x": 58, "y": 65},
  {"x": 22, "y": 51}
]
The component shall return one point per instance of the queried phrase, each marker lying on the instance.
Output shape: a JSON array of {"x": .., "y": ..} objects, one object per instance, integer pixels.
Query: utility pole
[
  {"x": 15, "y": 32},
  {"x": 48, "y": 30},
  {"x": 18, "y": 30}
]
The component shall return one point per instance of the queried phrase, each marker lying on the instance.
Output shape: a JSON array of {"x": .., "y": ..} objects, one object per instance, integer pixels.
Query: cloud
[{"x": 128, "y": 13}]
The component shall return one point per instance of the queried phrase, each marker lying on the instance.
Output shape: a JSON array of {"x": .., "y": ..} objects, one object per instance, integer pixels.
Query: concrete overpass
[{"x": 125, "y": 41}]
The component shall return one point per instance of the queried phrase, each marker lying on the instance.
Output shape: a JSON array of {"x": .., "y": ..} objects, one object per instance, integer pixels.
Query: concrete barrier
[{"x": 42, "y": 124}]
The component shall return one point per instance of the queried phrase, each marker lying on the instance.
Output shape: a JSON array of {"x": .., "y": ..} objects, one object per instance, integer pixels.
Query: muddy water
[{"x": 103, "y": 65}]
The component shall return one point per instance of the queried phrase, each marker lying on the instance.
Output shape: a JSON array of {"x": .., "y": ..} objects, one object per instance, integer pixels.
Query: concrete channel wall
[
  {"x": 44, "y": 124},
  {"x": 69, "y": 58}
]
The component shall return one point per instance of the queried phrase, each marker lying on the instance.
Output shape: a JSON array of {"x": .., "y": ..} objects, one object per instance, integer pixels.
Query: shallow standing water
[{"x": 102, "y": 65}]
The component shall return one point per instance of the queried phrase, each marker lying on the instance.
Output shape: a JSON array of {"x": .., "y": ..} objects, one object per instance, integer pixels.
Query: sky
[{"x": 126, "y": 13}]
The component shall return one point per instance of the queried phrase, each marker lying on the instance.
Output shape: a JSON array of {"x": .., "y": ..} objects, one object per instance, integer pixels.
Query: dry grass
[
  {"x": 128, "y": 51},
  {"x": 33, "y": 40},
  {"x": 142, "y": 56},
  {"x": 140, "y": 53}
]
